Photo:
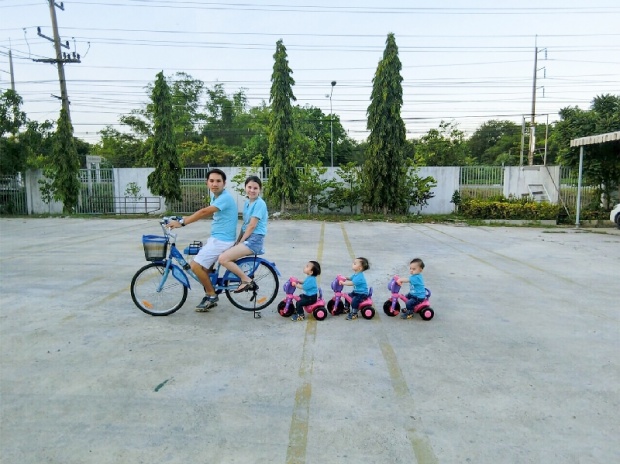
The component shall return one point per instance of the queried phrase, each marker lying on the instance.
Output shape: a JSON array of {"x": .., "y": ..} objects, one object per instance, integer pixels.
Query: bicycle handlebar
[{"x": 164, "y": 225}]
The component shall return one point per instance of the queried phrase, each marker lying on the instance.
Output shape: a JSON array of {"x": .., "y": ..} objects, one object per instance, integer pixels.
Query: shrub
[{"x": 524, "y": 209}]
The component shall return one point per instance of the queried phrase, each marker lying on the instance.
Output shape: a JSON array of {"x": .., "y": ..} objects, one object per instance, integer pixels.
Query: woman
[{"x": 252, "y": 235}]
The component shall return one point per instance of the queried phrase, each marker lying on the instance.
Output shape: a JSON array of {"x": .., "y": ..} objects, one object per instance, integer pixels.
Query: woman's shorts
[{"x": 255, "y": 243}]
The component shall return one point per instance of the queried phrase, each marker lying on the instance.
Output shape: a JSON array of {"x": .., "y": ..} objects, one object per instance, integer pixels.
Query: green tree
[
  {"x": 349, "y": 192},
  {"x": 601, "y": 164},
  {"x": 312, "y": 188},
  {"x": 443, "y": 147},
  {"x": 165, "y": 179},
  {"x": 496, "y": 142},
  {"x": 186, "y": 94},
  {"x": 12, "y": 156},
  {"x": 283, "y": 181},
  {"x": 384, "y": 165},
  {"x": 64, "y": 166},
  {"x": 418, "y": 189}
]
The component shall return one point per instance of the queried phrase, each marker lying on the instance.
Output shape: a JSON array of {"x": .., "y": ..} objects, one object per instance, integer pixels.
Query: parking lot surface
[{"x": 519, "y": 364}]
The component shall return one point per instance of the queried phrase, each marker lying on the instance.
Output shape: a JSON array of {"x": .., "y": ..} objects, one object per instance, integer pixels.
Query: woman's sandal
[{"x": 245, "y": 286}]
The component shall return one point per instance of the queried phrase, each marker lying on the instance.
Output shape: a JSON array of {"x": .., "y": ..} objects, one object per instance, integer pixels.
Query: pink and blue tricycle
[
  {"x": 392, "y": 307},
  {"x": 286, "y": 307},
  {"x": 341, "y": 301}
]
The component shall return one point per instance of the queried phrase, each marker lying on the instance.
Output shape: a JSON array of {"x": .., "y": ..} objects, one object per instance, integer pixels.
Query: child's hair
[
  {"x": 418, "y": 261},
  {"x": 316, "y": 268},
  {"x": 364, "y": 263}
]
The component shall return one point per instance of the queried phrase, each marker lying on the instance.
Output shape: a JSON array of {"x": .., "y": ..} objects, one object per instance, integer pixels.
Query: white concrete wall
[
  {"x": 517, "y": 179},
  {"x": 34, "y": 199},
  {"x": 447, "y": 182}
]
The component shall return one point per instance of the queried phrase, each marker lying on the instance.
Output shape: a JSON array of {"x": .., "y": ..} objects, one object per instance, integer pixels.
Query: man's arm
[{"x": 197, "y": 216}]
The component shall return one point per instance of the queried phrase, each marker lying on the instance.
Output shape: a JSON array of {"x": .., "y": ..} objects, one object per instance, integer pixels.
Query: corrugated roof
[{"x": 594, "y": 139}]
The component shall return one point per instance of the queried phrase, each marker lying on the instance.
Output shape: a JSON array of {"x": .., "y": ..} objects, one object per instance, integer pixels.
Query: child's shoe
[
  {"x": 297, "y": 317},
  {"x": 351, "y": 316},
  {"x": 406, "y": 315}
]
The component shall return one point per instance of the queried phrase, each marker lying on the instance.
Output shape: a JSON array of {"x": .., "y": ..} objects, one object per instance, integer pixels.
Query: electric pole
[
  {"x": 61, "y": 58},
  {"x": 11, "y": 71},
  {"x": 530, "y": 156}
]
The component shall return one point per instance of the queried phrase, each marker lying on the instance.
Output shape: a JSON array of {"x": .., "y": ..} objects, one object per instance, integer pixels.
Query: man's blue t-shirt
[
  {"x": 257, "y": 209},
  {"x": 224, "y": 225},
  {"x": 309, "y": 286},
  {"x": 416, "y": 286},
  {"x": 359, "y": 283}
]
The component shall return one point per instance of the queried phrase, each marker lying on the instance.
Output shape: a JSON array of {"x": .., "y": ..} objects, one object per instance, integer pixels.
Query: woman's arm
[{"x": 249, "y": 229}]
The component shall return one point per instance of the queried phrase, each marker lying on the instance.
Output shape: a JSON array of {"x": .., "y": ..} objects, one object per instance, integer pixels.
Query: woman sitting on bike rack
[
  {"x": 223, "y": 232},
  {"x": 252, "y": 235}
]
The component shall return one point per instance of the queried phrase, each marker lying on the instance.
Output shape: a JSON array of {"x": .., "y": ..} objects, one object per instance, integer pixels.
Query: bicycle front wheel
[
  {"x": 146, "y": 297},
  {"x": 264, "y": 277}
]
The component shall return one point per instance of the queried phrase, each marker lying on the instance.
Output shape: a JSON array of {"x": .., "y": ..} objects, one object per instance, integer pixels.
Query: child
[
  {"x": 360, "y": 287},
  {"x": 417, "y": 290},
  {"x": 310, "y": 288}
]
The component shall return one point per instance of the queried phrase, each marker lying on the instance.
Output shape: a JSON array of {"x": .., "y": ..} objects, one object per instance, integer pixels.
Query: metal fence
[
  {"x": 569, "y": 181},
  {"x": 481, "y": 182},
  {"x": 12, "y": 195}
]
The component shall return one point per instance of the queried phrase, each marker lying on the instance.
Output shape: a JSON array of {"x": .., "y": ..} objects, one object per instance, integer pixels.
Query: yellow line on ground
[
  {"x": 419, "y": 443},
  {"x": 298, "y": 432}
]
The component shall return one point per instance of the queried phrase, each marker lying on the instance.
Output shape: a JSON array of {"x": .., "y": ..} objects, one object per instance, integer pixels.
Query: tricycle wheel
[
  {"x": 427, "y": 314},
  {"x": 335, "y": 309},
  {"x": 283, "y": 310},
  {"x": 320, "y": 313},
  {"x": 368, "y": 312},
  {"x": 387, "y": 308}
]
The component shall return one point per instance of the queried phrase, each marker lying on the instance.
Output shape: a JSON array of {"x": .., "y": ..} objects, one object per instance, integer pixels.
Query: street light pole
[{"x": 331, "y": 120}]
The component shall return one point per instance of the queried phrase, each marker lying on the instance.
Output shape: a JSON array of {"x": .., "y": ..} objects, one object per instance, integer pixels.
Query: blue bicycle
[{"x": 160, "y": 288}]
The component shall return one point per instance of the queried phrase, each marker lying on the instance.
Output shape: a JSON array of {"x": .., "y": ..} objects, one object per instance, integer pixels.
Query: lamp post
[{"x": 331, "y": 120}]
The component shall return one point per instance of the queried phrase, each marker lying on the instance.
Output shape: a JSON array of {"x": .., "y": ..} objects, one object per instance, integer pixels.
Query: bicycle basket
[{"x": 155, "y": 247}]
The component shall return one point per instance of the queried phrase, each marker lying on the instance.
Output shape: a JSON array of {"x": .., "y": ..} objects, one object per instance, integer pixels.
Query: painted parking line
[{"x": 298, "y": 432}]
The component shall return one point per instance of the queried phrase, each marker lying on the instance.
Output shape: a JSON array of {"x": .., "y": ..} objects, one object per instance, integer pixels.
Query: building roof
[{"x": 595, "y": 139}]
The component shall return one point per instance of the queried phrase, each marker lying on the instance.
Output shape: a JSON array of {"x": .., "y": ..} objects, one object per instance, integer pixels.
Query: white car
[{"x": 614, "y": 216}]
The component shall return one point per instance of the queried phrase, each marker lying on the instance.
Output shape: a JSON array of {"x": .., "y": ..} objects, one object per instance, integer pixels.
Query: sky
[{"x": 463, "y": 62}]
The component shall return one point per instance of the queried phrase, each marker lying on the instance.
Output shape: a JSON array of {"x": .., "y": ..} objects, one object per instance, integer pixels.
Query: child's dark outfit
[
  {"x": 308, "y": 297},
  {"x": 359, "y": 293},
  {"x": 416, "y": 295}
]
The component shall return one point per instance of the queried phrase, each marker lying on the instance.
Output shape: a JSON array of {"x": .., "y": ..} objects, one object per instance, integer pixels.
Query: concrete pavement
[{"x": 519, "y": 365}]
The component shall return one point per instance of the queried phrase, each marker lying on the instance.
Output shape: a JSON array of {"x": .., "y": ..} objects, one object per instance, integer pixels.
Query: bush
[{"x": 523, "y": 209}]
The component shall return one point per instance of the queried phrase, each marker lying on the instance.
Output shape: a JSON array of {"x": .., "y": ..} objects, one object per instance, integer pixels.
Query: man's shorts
[{"x": 208, "y": 254}]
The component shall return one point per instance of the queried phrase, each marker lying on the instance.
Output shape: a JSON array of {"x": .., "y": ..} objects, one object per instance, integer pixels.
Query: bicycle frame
[
  {"x": 154, "y": 294},
  {"x": 181, "y": 272}
]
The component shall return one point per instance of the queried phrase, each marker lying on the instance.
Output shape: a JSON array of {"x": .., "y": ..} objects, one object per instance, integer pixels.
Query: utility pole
[
  {"x": 530, "y": 156},
  {"x": 331, "y": 121},
  {"x": 61, "y": 58},
  {"x": 11, "y": 71}
]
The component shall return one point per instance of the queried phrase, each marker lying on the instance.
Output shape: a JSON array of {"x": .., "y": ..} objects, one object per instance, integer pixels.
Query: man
[{"x": 223, "y": 208}]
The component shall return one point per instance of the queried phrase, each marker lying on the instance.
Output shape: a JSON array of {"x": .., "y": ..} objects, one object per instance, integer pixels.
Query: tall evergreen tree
[
  {"x": 384, "y": 167},
  {"x": 166, "y": 179},
  {"x": 284, "y": 180},
  {"x": 65, "y": 165}
]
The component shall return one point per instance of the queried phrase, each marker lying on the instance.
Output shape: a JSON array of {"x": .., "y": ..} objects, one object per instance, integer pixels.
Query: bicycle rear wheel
[
  {"x": 146, "y": 297},
  {"x": 264, "y": 277}
]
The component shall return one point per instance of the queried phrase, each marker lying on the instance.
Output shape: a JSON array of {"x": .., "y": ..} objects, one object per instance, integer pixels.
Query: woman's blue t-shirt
[{"x": 257, "y": 209}]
